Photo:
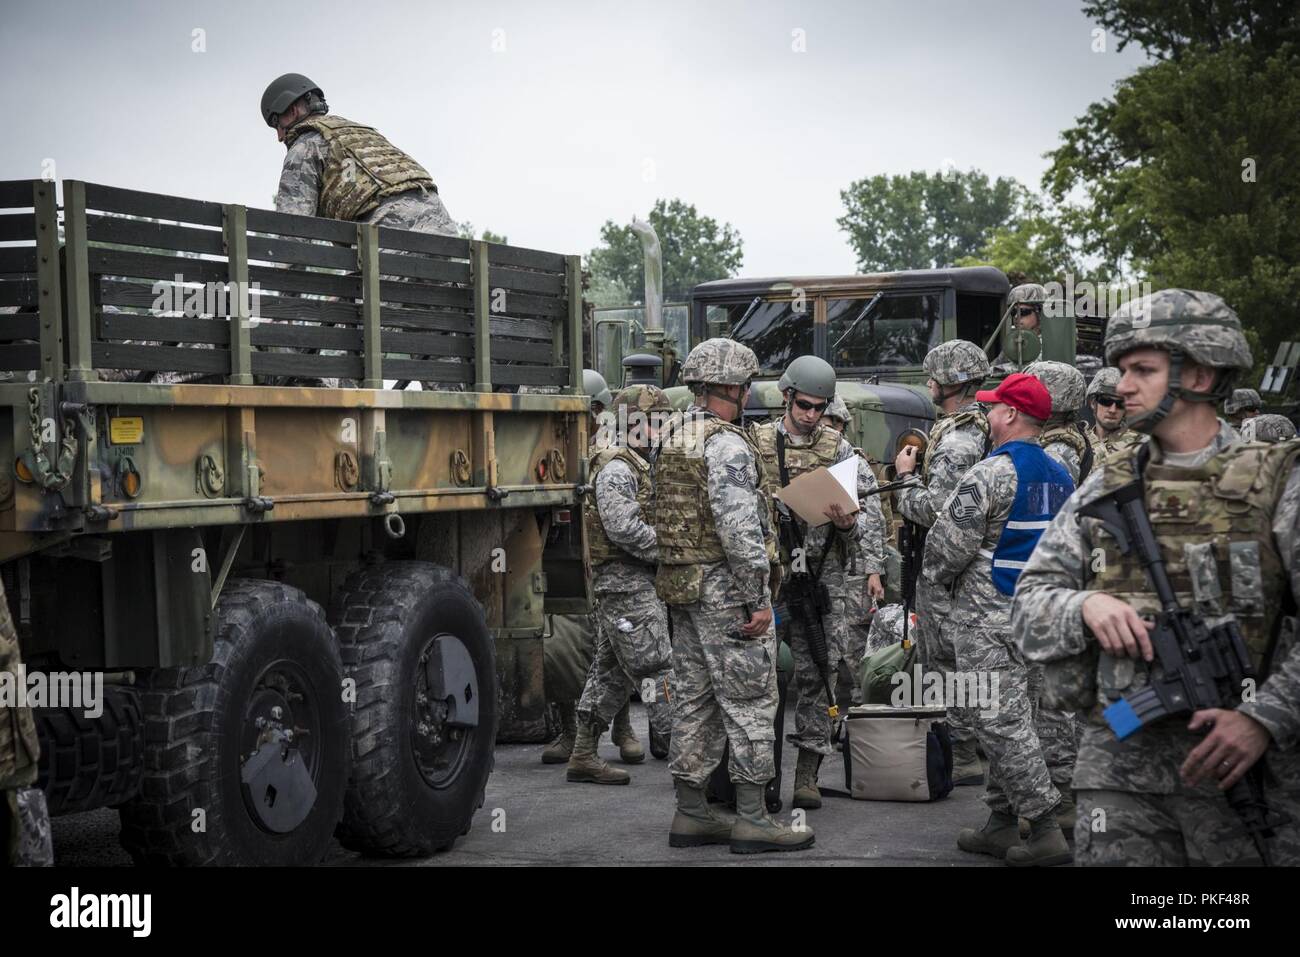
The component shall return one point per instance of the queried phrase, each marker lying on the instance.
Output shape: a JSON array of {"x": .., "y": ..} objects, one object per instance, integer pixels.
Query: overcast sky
[{"x": 542, "y": 119}]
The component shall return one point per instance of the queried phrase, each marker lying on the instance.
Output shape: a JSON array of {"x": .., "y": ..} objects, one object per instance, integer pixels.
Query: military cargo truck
[{"x": 313, "y": 607}]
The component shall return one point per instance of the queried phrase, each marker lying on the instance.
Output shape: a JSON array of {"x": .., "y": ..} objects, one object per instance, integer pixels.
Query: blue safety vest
[{"x": 1042, "y": 486}]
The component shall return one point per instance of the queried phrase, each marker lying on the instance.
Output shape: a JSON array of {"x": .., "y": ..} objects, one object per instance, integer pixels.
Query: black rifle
[
  {"x": 911, "y": 547},
  {"x": 1197, "y": 667}
]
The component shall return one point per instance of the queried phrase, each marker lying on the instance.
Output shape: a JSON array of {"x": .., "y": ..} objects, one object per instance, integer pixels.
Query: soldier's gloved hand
[
  {"x": 1119, "y": 629},
  {"x": 1228, "y": 751},
  {"x": 758, "y": 623},
  {"x": 875, "y": 589},
  {"x": 905, "y": 461}
]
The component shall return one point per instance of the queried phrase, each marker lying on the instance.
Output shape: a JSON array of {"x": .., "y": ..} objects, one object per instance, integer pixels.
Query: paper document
[{"x": 812, "y": 493}]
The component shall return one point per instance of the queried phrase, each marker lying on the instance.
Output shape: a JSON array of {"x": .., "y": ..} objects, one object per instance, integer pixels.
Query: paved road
[{"x": 543, "y": 820}]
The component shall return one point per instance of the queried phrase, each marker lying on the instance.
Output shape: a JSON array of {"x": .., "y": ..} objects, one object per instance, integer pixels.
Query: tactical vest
[
  {"x": 1081, "y": 441},
  {"x": 361, "y": 167},
  {"x": 1042, "y": 487},
  {"x": 945, "y": 425},
  {"x": 598, "y": 544},
  {"x": 1213, "y": 524},
  {"x": 821, "y": 452}
]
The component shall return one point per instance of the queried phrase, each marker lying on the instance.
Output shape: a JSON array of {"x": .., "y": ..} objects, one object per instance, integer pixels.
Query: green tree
[
  {"x": 466, "y": 231},
  {"x": 1187, "y": 175},
  {"x": 1165, "y": 29},
  {"x": 1035, "y": 246},
  {"x": 925, "y": 220},
  {"x": 695, "y": 250}
]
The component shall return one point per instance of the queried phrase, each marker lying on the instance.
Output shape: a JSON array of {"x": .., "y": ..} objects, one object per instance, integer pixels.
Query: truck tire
[
  {"x": 88, "y": 763},
  {"x": 417, "y": 644},
  {"x": 246, "y": 757}
]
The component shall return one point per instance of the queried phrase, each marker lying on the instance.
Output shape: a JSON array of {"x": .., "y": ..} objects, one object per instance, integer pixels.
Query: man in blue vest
[{"x": 976, "y": 548}]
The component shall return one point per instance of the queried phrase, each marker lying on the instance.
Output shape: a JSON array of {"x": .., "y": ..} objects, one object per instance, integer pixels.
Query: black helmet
[{"x": 282, "y": 92}]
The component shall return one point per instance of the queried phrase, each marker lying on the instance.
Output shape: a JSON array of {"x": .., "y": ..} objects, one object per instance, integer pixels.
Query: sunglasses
[
  {"x": 1108, "y": 401},
  {"x": 807, "y": 406},
  {"x": 1027, "y": 311}
]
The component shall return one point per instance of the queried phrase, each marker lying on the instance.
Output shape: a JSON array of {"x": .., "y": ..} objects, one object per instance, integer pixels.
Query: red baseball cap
[{"x": 1023, "y": 392}]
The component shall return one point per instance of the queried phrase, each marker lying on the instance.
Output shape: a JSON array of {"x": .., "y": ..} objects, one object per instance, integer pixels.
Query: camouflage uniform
[
  {"x": 1239, "y": 403},
  {"x": 1064, "y": 437},
  {"x": 958, "y": 558},
  {"x": 867, "y": 535},
  {"x": 1227, "y": 520},
  {"x": 24, "y": 816},
  {"x": 957, "y": 442},
  {"x": 725, "y": 684},
  {"x": 632, "y": 624},
  {"x": 315, "y": 181}
]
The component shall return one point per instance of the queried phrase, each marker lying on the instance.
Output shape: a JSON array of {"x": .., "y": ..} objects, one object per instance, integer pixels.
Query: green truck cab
[{"x": 315, "y": 600}]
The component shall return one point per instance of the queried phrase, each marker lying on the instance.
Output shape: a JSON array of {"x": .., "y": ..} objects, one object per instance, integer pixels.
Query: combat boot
[
  {"x": 558, "y": 751},
  {"x": 696, "y": 823},
  {"x": 999, "y": 834},
  {"x": 806, "y": 794},
  {"x": 629, "y": 748},
  {"x": 1045, "y": 847},
  {"x": 585, "y": 764},
  {"x": 755, "y": 832}
]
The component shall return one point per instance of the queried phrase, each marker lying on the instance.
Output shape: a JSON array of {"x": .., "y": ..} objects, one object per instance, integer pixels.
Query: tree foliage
[
  {"x": 926, "y": 220},
  {"x": 695, "y": 249}
]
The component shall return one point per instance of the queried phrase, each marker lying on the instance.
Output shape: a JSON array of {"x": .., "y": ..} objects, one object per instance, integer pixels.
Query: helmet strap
[{"x": 712, "y": 390}]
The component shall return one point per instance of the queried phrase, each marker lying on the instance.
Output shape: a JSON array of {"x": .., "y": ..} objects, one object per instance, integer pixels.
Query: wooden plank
[
  {"x": 17, "y": 227},
  {"x": 118, "y": 325},
  {"x": 434, "y": 321},
  {"x": 78, "y": 285},
  {"x": 18, "y": 259},
  {"x": 113, "y": 200},
  {"x": 527, "y": 258},
  {"x": 20, "y": 358},
  {"x": 234, "y": 236},
  {"x": 482, "y": 319},
  {"x": 306, "y": 366},
  {"x": 424, "y": 344},
  {"x": 301, "y": 227},
  {"x": 117, "y": 262},
  {"x": 109, "y": 355},
  {"x": 25, "y": 326},
  {"x": 266, "y": 249},
  {"x": 18, "y": 292},
  {"x": 306, "y": 337},
  {"x": 545, "y": 284},
  {"x": 428, "y": 370},
  {"x": 16, "y": 193},
  {"x": 45, "y": 206},
  {"x": 311, "y": 310},
  {"x": 135, "y": 232},
  {"x": 300, "y": 280},
  {"x": 573, "y": 284},
  {"x": 529, "y": 375},
  {"x": 368, "y": 264},
  {"x": 434, "y": 244},
  {"x": 422, "y": 294},
  {"x": 419, "y": 267},
  {"x": 543, "y": 307}
]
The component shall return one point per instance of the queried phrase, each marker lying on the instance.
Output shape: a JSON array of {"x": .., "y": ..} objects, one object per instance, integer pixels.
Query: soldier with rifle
[
  {"x": 815, "y": 560},
  {"x": 1161, "y": 601}
]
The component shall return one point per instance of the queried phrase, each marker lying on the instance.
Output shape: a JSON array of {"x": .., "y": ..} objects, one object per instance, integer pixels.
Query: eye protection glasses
[
  {"x": 807, "y": 406},
  {"x": 1109, "y": 401}
]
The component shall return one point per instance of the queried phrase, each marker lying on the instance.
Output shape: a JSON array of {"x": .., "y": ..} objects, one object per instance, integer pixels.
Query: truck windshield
[
  {"x": 776, "y": 331},
  {"x": 899, "y": 331}
]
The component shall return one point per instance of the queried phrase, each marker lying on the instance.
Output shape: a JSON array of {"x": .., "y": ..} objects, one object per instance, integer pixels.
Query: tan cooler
[{"x": 897, "y": 754}]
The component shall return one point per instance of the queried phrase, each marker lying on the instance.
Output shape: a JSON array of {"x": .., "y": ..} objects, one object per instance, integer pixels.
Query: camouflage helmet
[
  {"x": 1028, "y": 292},
  {"x": 1268, "y": 428},
  {"x": 593, "y": 383},
  {"x": 1188, "y": 325},
  {"x": 957, "y": 362},
  {"x": 643, "y": 397},
  {"x": 1198, "y": 325},
  {"x": 1065, "y": 384},
  {"x": 1242, "y": 399},
  {"x": 282, "y": 92},
  {"x": 1105, "y": 382},
  {"x": 837, "y": 410},
  {"x": 809, "y": 375},
  {"x": 720, "y": 362}
]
